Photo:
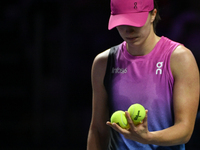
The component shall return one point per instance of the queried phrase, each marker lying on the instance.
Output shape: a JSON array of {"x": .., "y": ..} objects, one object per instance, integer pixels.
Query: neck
[{"x": 145, "y": 47}]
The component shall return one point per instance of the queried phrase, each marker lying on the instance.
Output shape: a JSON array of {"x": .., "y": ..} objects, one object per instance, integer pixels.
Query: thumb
[{"x": 146, "y": 116}]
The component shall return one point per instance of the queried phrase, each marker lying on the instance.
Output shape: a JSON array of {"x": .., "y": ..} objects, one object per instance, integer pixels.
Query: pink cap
[{"x": 129, "y": 12}]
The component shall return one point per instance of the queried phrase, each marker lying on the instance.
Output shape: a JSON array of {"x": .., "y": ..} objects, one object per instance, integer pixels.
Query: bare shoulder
[
  {"x": 182, "y": 60},
  {"x": 101, "y": 58},
  {"x": 100, "y": 61},
  {"x": 99, "y": 65},
  {"x": 181, "y": 53}
]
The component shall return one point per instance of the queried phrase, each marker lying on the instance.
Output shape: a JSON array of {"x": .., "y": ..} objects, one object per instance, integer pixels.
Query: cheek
[
  {"x": 145, "y": 31},
  {"x": 121, "y": 33}
]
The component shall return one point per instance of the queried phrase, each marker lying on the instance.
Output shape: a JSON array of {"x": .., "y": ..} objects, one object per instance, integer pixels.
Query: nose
[{"x": 129, "y": 29}]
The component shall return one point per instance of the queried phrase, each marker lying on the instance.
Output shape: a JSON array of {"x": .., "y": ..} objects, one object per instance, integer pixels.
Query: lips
[{"x": 131, "y": 38}]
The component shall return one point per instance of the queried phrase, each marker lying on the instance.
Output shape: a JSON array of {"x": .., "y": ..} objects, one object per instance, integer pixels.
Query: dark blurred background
[{"x": 46, "y": 51}]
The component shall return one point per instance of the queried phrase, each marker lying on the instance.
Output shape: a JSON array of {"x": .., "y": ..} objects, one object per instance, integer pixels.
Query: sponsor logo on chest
[
  {"x": 159, "y": 71},
  {"x": 119, "y": 70}
]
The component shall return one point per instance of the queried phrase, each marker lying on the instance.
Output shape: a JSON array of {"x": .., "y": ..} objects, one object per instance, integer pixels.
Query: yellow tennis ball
[
  {"x": 137, "y": 113},
  {"x": 119, "y": 118}
]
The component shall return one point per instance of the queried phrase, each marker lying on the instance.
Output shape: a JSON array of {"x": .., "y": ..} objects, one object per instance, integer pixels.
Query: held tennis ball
[
  {"x": 119, "y": 118},
  {"x": 137, "y": 113}
]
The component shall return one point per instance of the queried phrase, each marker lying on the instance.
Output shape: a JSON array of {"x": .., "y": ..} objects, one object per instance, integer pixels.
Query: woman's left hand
[{"x": 139, "y": 133}]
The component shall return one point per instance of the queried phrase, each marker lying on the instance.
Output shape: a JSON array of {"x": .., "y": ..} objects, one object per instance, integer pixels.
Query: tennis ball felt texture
[
  {"x": 119, "y": 118},
  {"x": 137, "y": 113}
]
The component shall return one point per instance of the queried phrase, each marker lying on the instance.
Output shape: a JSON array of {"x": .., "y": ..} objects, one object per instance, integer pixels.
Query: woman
[{"x": 154, "y": 71}]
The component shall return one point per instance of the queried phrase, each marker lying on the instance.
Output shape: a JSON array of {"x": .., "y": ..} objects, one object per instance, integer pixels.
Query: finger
[
  {"x": 113, "y": 125},
  {"x": 116, "y": 127},
  {"x": 130, "y": 122},
  {"x": 146, "y": 117},
  {"x": 109, "y": 123}
]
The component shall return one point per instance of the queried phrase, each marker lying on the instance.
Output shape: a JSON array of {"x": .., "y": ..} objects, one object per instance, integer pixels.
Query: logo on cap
[
  {"x": 135, "y": 5},
  {"x": 129, "y": 12}
]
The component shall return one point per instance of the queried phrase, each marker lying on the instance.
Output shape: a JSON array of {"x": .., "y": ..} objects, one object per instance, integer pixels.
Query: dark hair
[{"x": 157, "y": 18}]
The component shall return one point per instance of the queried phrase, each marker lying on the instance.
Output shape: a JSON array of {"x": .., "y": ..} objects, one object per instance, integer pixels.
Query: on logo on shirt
[{"x": 159, "y": 67}]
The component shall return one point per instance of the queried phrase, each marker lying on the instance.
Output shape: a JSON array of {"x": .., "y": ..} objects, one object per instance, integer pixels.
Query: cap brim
[{"x": 131, "y": 19}]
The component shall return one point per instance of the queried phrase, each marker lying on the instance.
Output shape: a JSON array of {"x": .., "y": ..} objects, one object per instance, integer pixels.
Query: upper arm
[
  {"x": 100, "y": 109},
  {"x": 186, "y": 87}
]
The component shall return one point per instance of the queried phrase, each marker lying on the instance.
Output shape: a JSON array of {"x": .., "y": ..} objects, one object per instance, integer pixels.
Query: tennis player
[{"x": 160, "y": 74}]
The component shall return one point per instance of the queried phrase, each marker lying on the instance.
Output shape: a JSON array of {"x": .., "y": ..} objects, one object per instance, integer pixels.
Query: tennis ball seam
[{"x": 122, "y": 120}]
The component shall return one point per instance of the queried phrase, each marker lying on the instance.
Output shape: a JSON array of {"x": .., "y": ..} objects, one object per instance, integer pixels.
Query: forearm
[
  {"x": 175, "y": 135},
  {"x": 96, "y": 141},
  {"x": 93, "y": 142}
]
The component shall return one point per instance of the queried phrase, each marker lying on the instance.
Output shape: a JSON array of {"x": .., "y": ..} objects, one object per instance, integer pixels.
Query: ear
[{"x": 153, "y": 15}]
